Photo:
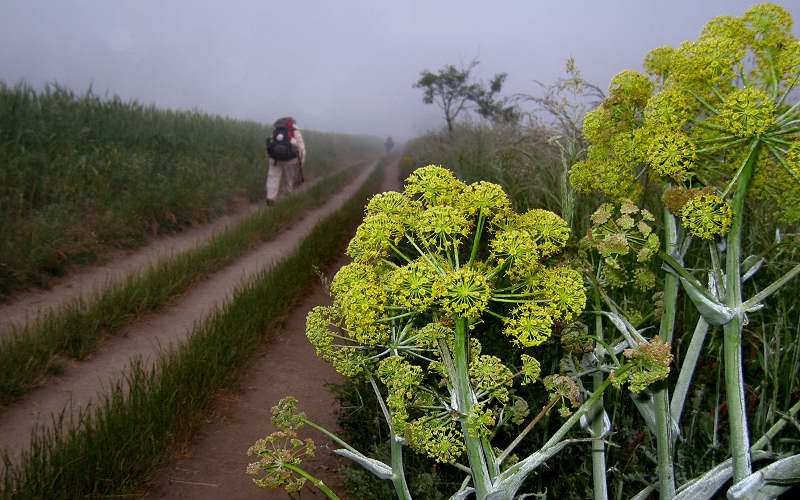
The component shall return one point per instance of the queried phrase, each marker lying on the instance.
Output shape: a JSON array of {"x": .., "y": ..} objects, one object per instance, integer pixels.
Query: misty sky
[{"x": 338, "y": 65}]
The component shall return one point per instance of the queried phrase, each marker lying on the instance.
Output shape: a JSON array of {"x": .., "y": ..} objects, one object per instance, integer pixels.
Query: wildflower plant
[
  {"x": 432, "y": 267},
  {"x": 714, "y": 126}
]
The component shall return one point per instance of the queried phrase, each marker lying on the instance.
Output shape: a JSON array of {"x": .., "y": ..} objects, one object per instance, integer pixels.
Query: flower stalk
[
  {"x": 464, "y": 395},
  {"x": 732, "y": 339},
  {"x": 664, "y": 438},
  {"x": 600, "y": 490}
]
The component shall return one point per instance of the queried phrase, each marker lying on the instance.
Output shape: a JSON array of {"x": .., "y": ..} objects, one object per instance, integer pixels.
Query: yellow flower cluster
[
  {"x": 531, "y": 369},
  {"x": 402, "y": 379},
  {"x": 712, "y": 61},
  {"x": 706, "y": 216},
  {"x": 747, "y": 112},
  {"x": 480, "y": 421},
  {"x": 441, "y": 225},
  {"x": 671, "y": 154},
  {"x": 706, "y": 110},
  {"x": 433, "y": 186},
  {"x": 529, "y": 325},
  {"x": 560, "y": 290},
  {"x": 411, "y": 286},
  {"x": 464, "y": 292},
  {"x": 657, "y": 62},
  {"x": 486, "y": 197},
  {"x": 438, "y": 439},
  {"x": 489, "y": 375}
]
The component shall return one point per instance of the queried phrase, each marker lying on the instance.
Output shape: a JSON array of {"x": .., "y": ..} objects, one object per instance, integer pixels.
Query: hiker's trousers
[{"x": 281, "y": 178}]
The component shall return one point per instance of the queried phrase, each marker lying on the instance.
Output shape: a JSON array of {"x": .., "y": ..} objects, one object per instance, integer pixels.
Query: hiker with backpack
[{"x": 286, "y": 155}]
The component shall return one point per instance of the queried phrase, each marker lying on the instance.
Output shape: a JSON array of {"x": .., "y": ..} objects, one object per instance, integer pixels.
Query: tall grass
[
  {"x": 82, "y": 174},
  {"x": 75, "y": 330},
  {"x": 523, "y": 159},
  {"x": 115, "y": 448}
]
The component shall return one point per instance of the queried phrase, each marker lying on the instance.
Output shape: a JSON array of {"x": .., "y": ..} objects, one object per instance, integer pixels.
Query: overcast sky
[{"x": 335, "y": 65}]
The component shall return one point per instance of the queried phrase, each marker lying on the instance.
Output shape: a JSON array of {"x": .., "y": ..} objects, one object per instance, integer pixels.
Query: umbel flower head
[
  {"x": 434, "y": 185},
  {"x": 411, "y": 286},
  {"x": 706, "y": 216},
  {"x": 529, "y": 325},
  {"x": 432, "y": 265},
  {"x": 671, "y": 154},
  {"x": 439, "y": 439},
  {"x": 747, "y": 112}
]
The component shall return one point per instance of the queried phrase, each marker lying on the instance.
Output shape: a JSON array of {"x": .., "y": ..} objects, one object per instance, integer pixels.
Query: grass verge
[
  {"x": 116, "y": 447},
  {"x": 29, "y": 354}
]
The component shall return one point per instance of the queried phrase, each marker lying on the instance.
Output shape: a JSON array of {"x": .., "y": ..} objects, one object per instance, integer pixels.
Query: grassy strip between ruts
[
  {"x": 115, "y": 448},
  {"x": 76, "y": 329}
]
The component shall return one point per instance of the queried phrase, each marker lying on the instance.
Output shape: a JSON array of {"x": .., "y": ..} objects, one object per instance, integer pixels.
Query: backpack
[{"x": 279, "y": 144}]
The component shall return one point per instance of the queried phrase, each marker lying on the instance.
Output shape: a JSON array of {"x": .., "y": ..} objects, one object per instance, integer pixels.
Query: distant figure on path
[
  {"x": 286, "y": 155},
  {"x": 389, "y": 144}
]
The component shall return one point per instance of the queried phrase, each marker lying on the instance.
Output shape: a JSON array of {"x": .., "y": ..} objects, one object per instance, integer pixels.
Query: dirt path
[
  {"x": 82, "y": 283},
  {"x": 82, "y": 381},
  {"x": 213, "y": 466}
]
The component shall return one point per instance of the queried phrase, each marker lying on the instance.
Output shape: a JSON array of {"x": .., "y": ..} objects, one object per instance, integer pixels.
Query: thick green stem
[
  {"x": 398, "y": 474},
  {"x": 491, "y": 459},
  {"x": 464, "y": 397},
  {"x": 687, "y": 369},
  {"x": 734, "y": 378},
  {"x": 316, "y": 482},
  {"x": 600, "y": 489},
  {"x": 666, "y": 474}
]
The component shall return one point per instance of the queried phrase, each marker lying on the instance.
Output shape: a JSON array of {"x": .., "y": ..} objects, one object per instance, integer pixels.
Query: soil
[{"x": 213, "y": 464}]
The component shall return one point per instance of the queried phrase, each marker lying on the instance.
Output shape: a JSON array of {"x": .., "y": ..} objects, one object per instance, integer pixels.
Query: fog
[{"x": 343, "y": 66}]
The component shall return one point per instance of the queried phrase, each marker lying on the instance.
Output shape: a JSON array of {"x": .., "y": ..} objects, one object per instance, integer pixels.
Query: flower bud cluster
[
  {"x": 651, "y": 364},
  {"x": 566, "y": 390},
  {"x": 623, "y": 236}
]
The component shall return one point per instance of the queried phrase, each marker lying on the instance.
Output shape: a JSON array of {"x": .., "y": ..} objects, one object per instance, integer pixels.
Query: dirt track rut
[
  {"x": 83, "y": 381},
  {"x": 213, "y": 466}
]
